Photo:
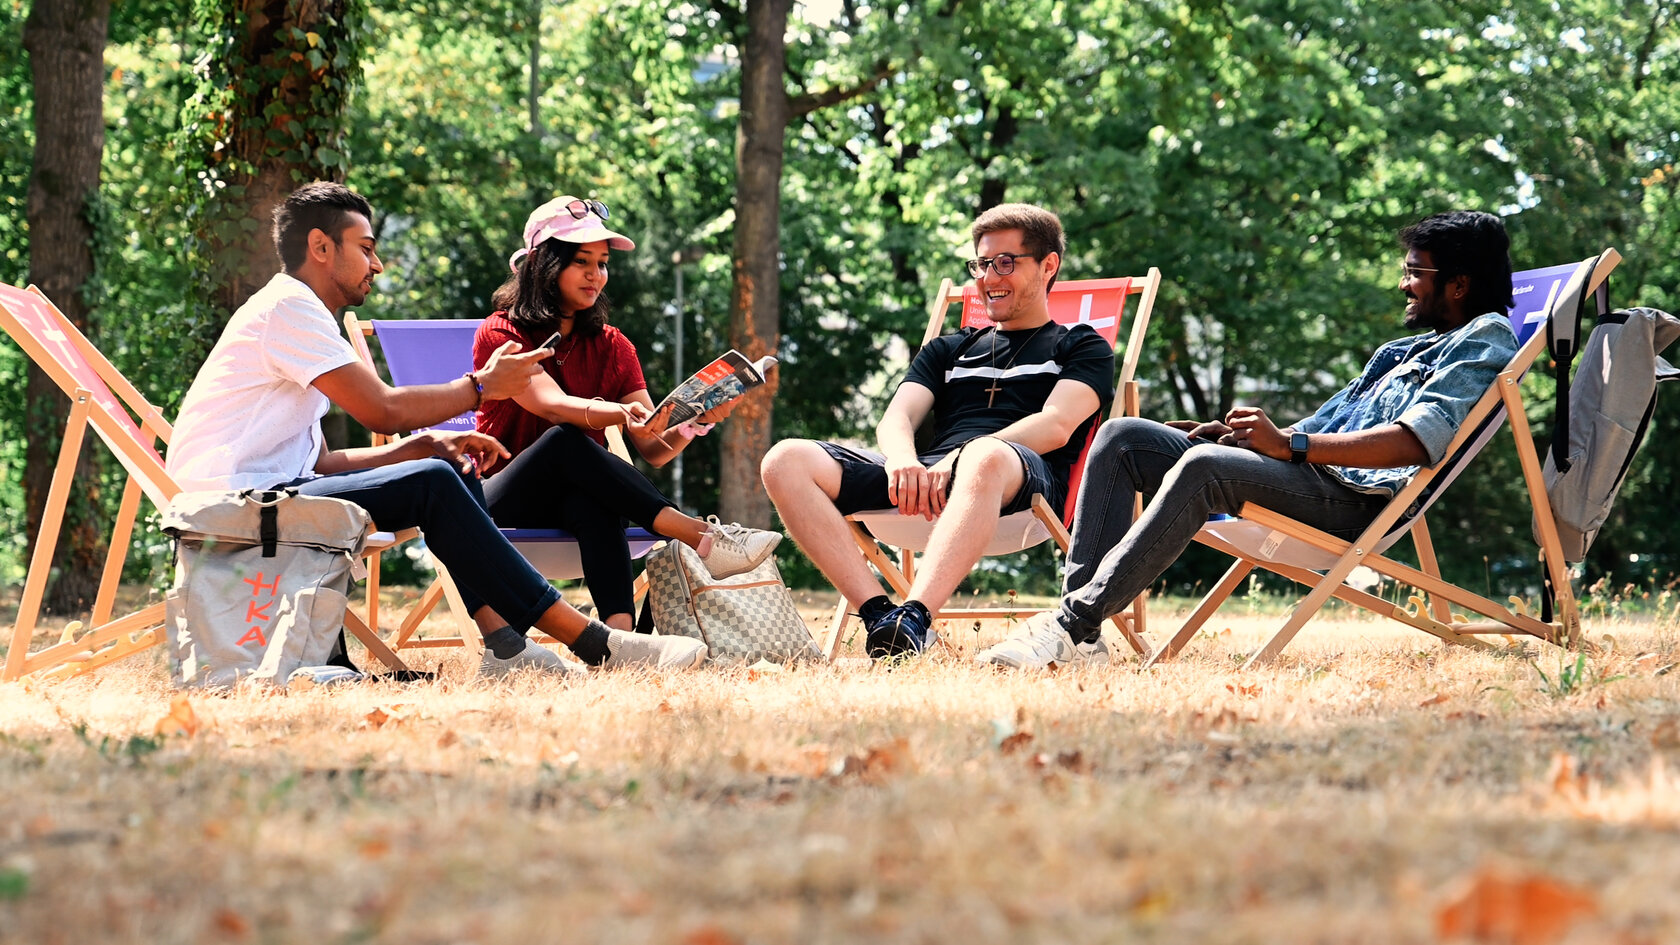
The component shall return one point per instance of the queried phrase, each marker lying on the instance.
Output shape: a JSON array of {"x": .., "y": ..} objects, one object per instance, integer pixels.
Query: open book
[{"x": 719, "y": 382}]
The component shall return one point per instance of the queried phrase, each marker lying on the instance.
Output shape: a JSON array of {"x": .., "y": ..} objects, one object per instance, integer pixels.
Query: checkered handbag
[{"x": 741, "y": 619}]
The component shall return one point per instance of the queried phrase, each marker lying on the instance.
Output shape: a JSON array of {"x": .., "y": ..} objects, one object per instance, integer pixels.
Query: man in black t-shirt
[{"x": 1011, "y": 406}]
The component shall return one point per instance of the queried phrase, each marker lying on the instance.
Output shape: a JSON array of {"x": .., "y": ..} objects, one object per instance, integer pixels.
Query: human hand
[
  {"x": 718, "y": 413},
  {"x": 469, "y": 450},
  {"x": 907, "y": 485},
  {"x": 1252, "y": 429},
  {"x": 1200, "y": 429},
  {"x": 939, "y": 484},
  {"x": 601, "y": 414},
  {"x": 508, "y": 372}
]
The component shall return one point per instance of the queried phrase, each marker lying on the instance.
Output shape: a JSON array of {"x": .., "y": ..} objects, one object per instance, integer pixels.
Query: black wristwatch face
[{"x": 1297, "y": 447}]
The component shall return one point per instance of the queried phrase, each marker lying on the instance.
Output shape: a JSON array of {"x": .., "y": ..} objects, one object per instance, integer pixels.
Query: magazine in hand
[{"x": 718, "y": 383}]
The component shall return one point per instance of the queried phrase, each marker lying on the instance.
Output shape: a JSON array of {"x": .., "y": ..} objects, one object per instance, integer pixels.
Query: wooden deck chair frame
[
  {"x": 101, "y": 399},
  {"x": 893, "y": 544},
  {"x": 1281, "y": 538},
  {"x": 530, "y": 542}
]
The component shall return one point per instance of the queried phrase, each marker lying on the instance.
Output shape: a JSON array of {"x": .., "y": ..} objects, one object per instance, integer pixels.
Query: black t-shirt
[{"x": 960, "y": 369}]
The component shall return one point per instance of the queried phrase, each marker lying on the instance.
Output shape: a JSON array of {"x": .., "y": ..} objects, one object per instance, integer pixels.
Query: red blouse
[{"x": 602, "y": 365}]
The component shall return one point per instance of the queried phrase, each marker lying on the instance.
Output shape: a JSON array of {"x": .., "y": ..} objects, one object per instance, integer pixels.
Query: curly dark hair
[
  {"x": 531, "y": 296},
  {"x": 1467, "y": 243},
  {"x": 322, "y": 205}
]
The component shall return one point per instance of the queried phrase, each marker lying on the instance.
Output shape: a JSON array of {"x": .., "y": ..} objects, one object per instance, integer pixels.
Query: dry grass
[{"x": 1342, "y": 795}]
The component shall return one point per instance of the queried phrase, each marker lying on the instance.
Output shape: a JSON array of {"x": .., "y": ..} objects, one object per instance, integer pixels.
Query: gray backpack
[
  {"x": 261, "y": 585},
  {"x": 1602, "y": 417}
]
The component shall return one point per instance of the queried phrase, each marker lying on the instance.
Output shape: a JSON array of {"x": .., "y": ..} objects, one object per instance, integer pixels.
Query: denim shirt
[{"x": 1427, "y": 384}]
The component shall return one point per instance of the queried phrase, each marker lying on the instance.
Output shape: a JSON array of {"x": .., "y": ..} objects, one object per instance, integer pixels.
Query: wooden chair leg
[{"x": 1214, "y": 599}]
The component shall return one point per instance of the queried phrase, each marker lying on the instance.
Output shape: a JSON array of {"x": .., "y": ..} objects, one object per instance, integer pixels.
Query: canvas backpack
[
  {"x": 261, "y": 583},
  {"x": 1602, "y": 416}
]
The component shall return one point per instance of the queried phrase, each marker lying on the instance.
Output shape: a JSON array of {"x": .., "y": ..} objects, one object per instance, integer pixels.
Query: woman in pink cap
[{"x": 561, "y": 474}]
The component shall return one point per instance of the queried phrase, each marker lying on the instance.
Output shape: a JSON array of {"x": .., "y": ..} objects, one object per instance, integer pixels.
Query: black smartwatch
[{"x": 1297, "y": 447}]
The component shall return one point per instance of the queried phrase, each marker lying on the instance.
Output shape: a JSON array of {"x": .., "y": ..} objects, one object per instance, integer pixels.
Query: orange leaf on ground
[
  {"x": 709, "y": 935},
  {"x": 1435, "y": 699},
  {"x": 386, "y": 714},
  {"x": 1500, "y": 906},
  {"x": 229, "y": 922},
  {"x": 181, "y": 720},
  {"x": 1242, "y": 690},
  {"x": 878, "y": 763},
  {"x": 1015, "y": 742}
]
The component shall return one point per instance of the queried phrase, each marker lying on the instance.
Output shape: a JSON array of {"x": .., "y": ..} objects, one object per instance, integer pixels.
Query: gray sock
[{"x": 506, "y": 643}]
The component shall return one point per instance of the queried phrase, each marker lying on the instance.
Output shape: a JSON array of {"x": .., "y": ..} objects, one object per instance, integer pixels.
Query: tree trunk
[
  {"x": 755, "y": 306},
  {"x": 66, "y": 44},
  {"x": 285, "y": 75}
]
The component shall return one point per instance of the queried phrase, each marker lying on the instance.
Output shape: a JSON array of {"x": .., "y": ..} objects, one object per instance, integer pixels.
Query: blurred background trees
[{"x": 1262, "y": 153}]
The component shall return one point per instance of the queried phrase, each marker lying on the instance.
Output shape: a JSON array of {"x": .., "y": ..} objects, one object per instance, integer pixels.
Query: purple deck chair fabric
[{"x": 440, "y": 350}]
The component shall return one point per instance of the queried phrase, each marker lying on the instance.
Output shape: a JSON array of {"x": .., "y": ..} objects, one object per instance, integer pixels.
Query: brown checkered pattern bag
[{"x": 741, "y": 619}]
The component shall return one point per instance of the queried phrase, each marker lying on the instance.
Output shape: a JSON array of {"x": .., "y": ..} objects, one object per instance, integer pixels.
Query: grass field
[{"x": 1372, "y": 786}]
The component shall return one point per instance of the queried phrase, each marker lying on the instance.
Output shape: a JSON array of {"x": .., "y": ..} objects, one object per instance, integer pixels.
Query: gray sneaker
[
  {"x": 1040, "y": 643},
  {"x": 737, "y": 548},
  {"x": 534, "y": 658},
  {"x": 654, "y": 652}
]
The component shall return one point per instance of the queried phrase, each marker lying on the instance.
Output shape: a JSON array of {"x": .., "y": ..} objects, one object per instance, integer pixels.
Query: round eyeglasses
[
  {"x": 1003, "y": 263},
  {"x": 582, "y": 208}
]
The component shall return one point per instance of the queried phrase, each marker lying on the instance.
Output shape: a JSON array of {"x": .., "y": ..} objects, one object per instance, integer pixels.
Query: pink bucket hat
[{"x": 570, "y": 219}]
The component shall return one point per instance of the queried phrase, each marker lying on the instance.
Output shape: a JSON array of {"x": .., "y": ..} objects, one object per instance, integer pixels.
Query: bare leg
[
  {"x": 684, "y": 528},
  {"x": 988, "y": 474},
  {"x": 803, "y": 482}
]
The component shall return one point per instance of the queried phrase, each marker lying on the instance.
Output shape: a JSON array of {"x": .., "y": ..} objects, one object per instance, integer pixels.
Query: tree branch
[{"x": 806, "y": 103}]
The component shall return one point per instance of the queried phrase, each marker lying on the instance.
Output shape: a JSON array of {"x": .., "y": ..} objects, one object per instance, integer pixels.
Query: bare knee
[
  {"x": 790, "y": 464},
  {"x": 987, "y": 463}
]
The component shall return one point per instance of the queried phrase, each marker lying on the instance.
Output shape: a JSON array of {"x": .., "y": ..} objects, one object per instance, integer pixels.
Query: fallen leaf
[
  {"x": 1495, "y": 905},
  {"x": 1666, "y": 734},
  {"x": 1015, "y": 742},
  {"x": 1435, "y": 699},
  {"x": 229, "y": 922},
  {"x": 709, "y": 935},
  {"x": 448, "y": 738},
  {"x": 664, "y": 708},
  {"x": 181, "y": 720},
  {"x": 373, "y": 848},
  {"x": 388, "y": 714},
  {"x": 1242, "y": 690},
  {"x": 1568, "y": 779},
  {"x": 764, "y": 668},
  {"x": 1073, "y": 761},
  {"x": 879, "y": 763}
]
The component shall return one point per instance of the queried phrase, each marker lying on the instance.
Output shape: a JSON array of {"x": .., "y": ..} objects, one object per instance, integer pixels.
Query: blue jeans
[
  {"x": 1112, "y": 559},
  {"x": 448, "y": 507}
]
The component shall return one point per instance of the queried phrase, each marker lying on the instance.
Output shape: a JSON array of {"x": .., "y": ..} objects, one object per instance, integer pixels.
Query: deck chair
[
  {"x": 435, "y": 351},
  {"x": 1099, "y": 303},
  {"x": 103, "y": 400},
  {"x": 1259, "y": 537}
]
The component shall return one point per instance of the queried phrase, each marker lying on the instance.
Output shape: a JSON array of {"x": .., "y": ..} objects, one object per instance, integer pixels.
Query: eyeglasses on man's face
[
  {"x": 1409, "y": 273},
  {"x": 1003, "y": 263},
  {"x": 582, "y": 208}
]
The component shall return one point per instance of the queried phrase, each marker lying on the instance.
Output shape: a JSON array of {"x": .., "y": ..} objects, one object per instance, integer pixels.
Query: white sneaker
[
  {"x": 736, "y": 548},
  {"x": 653, "y": 651},
  {"x": 305, "y": 678},
  {"x": 1040, "y": 643},
  {"x": 535, "y": 657}
]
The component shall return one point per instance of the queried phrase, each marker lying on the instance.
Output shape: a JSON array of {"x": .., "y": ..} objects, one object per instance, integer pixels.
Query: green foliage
[{"x": 1261, "y": 153}]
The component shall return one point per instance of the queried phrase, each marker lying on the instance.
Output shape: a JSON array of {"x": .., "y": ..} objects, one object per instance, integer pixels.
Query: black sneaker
[{"x": 903, "y": 631}]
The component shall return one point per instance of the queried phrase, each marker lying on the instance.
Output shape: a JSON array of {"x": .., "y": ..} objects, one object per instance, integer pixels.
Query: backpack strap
[
  {"x": 268, "y": 516},
  {"x": 1563, "y": 342}
]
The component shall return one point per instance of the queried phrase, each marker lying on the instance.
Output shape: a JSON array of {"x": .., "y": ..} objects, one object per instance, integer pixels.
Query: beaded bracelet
[{"x": 478, "y": 388}]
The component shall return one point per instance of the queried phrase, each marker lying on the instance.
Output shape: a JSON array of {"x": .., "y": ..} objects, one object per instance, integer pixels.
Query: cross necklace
[{"x": 997, "y": 378}]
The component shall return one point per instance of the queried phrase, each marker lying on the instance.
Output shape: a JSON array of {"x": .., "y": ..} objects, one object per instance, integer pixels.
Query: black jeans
[
  {"x": 567, "y": 480},
  {"x": 449, "y": 508}
]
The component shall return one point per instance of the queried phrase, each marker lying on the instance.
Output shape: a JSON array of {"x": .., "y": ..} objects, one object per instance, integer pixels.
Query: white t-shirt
[{"x": 251, "y": 420}]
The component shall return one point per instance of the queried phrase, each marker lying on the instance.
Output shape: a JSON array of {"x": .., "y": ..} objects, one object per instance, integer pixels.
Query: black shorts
[{"x": 863, "y": 479}]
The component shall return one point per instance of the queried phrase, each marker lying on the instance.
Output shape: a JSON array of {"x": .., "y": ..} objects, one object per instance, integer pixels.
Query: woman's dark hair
[
  {"x": 531, "y": 296},
  {"x": 1467, "y": 243}
]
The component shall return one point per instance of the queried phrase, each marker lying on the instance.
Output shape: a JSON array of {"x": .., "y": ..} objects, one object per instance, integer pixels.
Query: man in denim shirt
[{"x": 1334, "y": 470}]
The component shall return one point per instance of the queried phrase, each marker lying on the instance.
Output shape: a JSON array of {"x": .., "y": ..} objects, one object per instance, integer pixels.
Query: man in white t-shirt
[{"x": 252, "y": 420}]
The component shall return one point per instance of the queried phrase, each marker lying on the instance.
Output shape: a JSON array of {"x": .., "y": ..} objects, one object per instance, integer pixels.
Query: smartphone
[{"x": 552, "y": 342}]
